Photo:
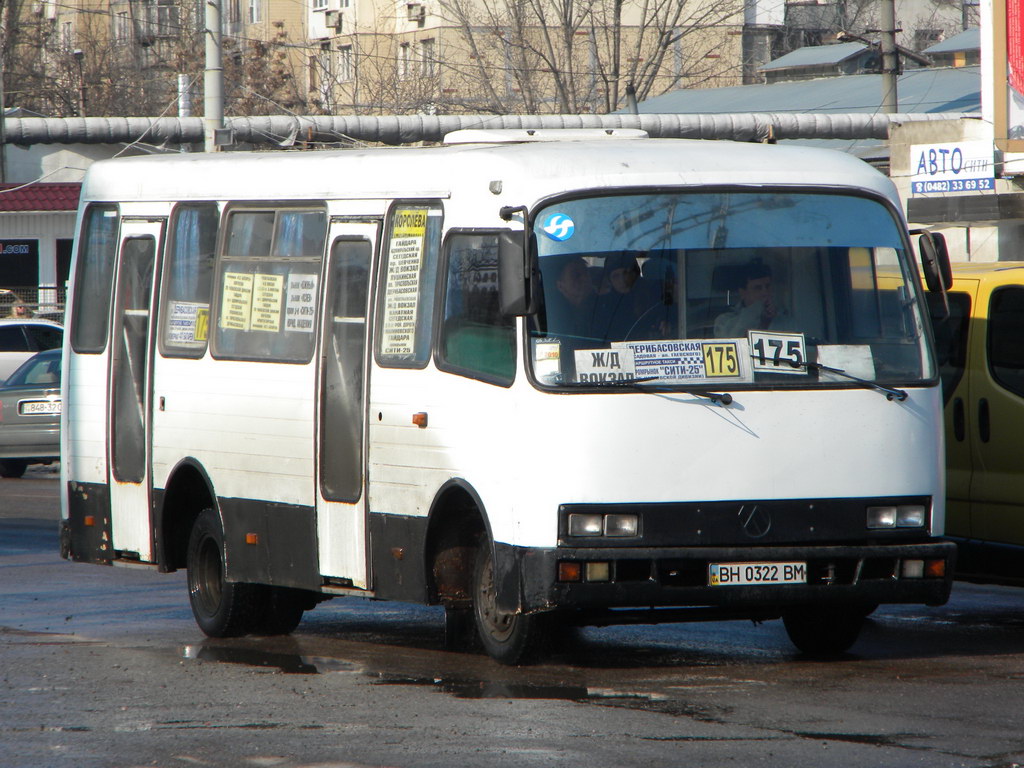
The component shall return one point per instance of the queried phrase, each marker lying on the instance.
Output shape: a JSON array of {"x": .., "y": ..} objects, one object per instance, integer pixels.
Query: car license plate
[
  {"x": 38, "y": 407},
  {"x": 743, "y": 574}
]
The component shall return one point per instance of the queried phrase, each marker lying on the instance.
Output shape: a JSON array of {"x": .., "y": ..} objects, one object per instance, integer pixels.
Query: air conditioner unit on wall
[
  {"x": 333, "y": 20},
  {"x": 416, "y": 11}
]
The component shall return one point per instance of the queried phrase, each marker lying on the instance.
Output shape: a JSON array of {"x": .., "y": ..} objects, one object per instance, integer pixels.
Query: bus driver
[{"x": 756, "y": 308}]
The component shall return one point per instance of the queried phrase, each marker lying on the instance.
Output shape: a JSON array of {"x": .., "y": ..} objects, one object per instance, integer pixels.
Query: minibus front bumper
[{"x": 595, "y": 578}]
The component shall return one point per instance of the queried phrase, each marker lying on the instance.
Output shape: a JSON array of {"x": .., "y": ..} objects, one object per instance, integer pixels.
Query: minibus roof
[{"x": 506, "y": 173}]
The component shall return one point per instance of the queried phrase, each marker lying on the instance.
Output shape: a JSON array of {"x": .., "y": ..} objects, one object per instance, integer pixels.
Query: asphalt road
[{"x": 104, "y": 667}]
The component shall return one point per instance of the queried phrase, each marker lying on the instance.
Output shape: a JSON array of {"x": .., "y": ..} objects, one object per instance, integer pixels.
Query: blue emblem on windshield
[{"x": 559, "y": 227}]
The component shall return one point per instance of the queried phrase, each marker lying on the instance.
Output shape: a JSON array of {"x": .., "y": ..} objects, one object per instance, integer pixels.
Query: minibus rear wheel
[
  {"x": 221, "y": 608},
  {"x": 508, "y": 638}
]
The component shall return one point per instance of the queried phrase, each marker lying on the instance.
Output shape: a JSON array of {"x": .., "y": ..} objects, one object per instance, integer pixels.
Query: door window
[
  {"x": 135, "y": 280},
  {"x": 341, "y": 427}
]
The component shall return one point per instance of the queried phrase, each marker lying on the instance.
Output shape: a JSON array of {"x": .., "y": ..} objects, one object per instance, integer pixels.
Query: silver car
[
  {"x": 22, "y": 338},
  {"x": 30, "y": 414}
]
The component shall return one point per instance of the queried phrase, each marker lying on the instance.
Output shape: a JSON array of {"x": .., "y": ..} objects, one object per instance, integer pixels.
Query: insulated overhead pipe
[{"x": 280, "y": 130}]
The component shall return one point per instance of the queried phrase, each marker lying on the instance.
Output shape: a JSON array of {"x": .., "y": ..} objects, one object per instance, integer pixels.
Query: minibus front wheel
[
  {"x": 824, "y": 631},
  {"x": 508, "y": 638}
]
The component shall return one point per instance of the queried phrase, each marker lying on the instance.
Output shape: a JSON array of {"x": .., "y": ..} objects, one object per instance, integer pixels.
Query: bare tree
[
  {"x": 128, "y": 64},
  {"x": 575, "y": 56}
]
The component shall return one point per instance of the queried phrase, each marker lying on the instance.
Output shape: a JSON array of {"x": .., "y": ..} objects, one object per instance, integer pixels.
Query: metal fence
[{"x": 46, "y": 302}]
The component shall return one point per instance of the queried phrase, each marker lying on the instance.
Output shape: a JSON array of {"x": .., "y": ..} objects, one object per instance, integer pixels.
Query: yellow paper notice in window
[
  {"x": 236, "y": 301},
  {"x": 267, "y": 294}
]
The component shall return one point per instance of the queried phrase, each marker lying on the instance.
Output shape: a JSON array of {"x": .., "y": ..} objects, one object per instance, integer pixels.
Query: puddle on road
[
  {"x": 289, "y": 663},
  {"x": 296, "y": 664}
]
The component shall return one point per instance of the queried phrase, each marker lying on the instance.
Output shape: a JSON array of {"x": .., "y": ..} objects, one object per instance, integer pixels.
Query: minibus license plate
[
  {"x": 36, "y": 407},
  {"x": 743, "y": 574}
]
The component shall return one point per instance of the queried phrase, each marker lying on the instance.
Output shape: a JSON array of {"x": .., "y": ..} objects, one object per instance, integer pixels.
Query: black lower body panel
[
  {"x": 86, "y": 533},
  {"x": 678, "y": 577}
]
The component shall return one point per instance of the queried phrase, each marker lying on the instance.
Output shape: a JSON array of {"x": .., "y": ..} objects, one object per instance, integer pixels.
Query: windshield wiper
[
  {"x": 891, "y": 393},
  {"x": 723, "y": 398}
]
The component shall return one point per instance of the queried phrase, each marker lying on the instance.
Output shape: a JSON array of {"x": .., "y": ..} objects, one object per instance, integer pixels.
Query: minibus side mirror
[
  {"x": 938, "y": 275},
  {"x": 515, "y": 284}
]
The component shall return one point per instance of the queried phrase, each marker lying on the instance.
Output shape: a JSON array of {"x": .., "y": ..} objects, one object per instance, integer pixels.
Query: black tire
[
  {"x": 459, "y": 632},
  {"x": 13, "y": 468},
  {"x": 279, "y": 610},
  {"x": 824, "y": 632},
  {"x": 508, "y": 638},
  {"x": 221, "y": 608}
]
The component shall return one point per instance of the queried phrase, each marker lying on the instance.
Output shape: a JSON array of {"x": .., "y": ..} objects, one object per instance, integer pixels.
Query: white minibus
[{"x": 537, "y": 379}]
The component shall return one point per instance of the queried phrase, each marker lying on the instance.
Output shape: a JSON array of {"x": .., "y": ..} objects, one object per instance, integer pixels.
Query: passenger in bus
[
  {"x": 571, "y": 306},
  {"x": 756, "y": 309},
  {"x": 631, "y": 306}
]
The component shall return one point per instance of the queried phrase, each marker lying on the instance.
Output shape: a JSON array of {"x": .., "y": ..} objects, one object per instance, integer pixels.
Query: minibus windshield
[{"x": 725, "y": 289}]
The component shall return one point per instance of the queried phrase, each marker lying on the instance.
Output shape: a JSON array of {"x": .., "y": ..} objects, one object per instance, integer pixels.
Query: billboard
[{"x": 1008, "y": 74}]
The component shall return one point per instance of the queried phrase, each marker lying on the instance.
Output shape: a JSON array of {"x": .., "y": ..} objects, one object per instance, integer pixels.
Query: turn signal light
[
  {"x": 935, "y": 569},
  {"x": 570, "y": 572}
]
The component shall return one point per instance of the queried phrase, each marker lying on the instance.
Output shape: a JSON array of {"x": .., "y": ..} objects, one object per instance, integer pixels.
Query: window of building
[
  {"x": 428, "y": 61},
  {"x": 319, "y": 5},
  {"x": 122, "y": 27},
  {"x": 268, "y": 278},
  {"x": 345, "y": 66},
  {"x": 255, "y": 11},
  {"x": 403, "y": 61}
]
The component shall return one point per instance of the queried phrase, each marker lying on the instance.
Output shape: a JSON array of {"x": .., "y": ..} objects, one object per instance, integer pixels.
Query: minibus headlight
[
  {"x": 910, "y": 516},
  {"x": 621, "y": 525},
  {"x": 903, "y": 516},
  {"x": 881, "y": 517},
  {"x": 586, "y": 525}
]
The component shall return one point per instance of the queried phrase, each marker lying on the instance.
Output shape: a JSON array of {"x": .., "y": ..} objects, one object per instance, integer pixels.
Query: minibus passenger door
[
  {"x": 996, "y": 406},
  {"x": 130, "y": 392},
  {"x": 341, "y": 417}
]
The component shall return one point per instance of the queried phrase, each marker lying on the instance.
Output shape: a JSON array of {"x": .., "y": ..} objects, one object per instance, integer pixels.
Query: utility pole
[
  {"x": 4, "y": 18},
  {"x": 890, "y": 55},
  {"x": 213, "y": 77}
]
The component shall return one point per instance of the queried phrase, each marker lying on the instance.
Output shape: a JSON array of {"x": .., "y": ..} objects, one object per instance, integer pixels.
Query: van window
[
  {"x": 1006, "y": 338},
  {"x": 91, "y": 312},
  {"x": 269, "y": 279},
  {"x": 184, "y": 331},
  {"x": 951, "y": 339},
  {"x": 475, "y": 338},
  {"x": 409, "y": 274}
]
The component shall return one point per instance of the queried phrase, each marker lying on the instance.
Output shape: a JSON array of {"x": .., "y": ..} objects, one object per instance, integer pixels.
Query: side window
[
  {"x": 12, "y": 339},
  {"x": 1006, "y": 338},
  {"x": 269, "y": 278},
  {"x": 95, "y": 269},
  {"x": 44, "y": 336},
  {"x": 409, "y": 275},
  {"x": 951, "y": 339},
  {"x": 188, "y": 280},
  {"x": 475, "y": 338}
]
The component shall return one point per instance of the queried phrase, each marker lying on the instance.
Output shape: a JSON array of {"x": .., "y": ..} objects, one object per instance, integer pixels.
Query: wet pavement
[{"x": 105, "y": 667}]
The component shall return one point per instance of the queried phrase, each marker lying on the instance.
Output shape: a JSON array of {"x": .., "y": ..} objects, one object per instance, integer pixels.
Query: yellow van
[{"x": 981, "y": 356}]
